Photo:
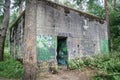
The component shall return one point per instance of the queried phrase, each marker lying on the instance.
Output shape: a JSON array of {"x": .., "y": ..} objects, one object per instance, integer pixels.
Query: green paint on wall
[
  {"x": 104, "y": 46},
  {"x": 46, "y": 47}
]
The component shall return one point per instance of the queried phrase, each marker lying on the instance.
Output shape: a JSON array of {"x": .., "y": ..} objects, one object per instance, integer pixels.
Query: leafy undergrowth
[
  {"x": 10, "y": 68},
  {"x": 107, "y": 65}
]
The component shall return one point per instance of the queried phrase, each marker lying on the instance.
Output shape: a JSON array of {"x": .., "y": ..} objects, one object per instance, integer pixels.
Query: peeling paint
[
  {"x": 46, "y": 47},
  {"x": 104, "y": 46}
]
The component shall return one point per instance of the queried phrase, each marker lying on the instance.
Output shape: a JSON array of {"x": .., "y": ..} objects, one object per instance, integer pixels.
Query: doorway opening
[{"x": 62, "y": 55}]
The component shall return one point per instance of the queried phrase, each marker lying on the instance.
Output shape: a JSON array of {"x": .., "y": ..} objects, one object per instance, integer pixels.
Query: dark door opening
[{"x": 62, "y": 55}]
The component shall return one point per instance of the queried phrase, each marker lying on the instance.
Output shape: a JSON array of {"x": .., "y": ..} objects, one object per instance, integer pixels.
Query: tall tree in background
[
  {"x": 114, "y": 4},
  {"x": 115, "y": 25},
  {"x": 79, "y": 3},
  {"x": 1, "y": 11},
  {"x": 3, "y": 28},
  {"x": 30, "y": 58},
  {"x": 107, "y": 20},
  {"x": 19, "y": 5}
]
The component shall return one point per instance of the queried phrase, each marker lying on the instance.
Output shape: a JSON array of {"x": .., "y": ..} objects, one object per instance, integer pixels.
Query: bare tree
[
  {"x": 30, "y": 59},
  {"x": 4, "y": 27}
]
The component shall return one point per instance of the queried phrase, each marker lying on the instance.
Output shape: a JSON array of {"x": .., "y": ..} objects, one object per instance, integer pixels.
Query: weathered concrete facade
[
  {"x": 84, "y": 34},
  {"x": 17, "y": 37}
]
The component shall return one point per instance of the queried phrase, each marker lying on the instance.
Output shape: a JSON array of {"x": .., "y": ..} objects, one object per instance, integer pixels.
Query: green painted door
[{"x": 62, "y": 55}]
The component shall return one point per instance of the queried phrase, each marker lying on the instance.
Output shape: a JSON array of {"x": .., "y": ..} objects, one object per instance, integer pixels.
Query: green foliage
[
  {"x": 107, "y": 65},
  {"x": 69, "y": 4},
  {"x": 88, "y": 61},
  {"x": 10, "y": 68},
  {"x": 115, "y": 29},
  {"x": 16, "y": 4},
  {"x": 13, "y": 18},
  {"x": 95, "y": 9},
  {"x": 75, "y": 64}
]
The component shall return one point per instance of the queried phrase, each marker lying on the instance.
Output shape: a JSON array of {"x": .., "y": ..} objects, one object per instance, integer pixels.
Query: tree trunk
[
  {"x": 114, "y": 4},
  {"x": 107, "y": 19},
  {"x": 30, "y": 58},
  {"x": 4, "y": 27}
]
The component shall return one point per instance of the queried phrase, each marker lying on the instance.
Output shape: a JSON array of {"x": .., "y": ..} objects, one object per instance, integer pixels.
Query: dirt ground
[
  {"x": 64, "y": 74},
  {"x": 85, "y": 74}
]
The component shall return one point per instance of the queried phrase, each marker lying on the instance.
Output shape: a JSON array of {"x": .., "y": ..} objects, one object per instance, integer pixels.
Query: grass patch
[{"x": 10, "y": 68}]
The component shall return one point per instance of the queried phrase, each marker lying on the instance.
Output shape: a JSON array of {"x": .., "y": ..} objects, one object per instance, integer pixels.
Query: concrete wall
[
  {"x": 86, "y": 34},
  {"x": 17, "y": 37}
]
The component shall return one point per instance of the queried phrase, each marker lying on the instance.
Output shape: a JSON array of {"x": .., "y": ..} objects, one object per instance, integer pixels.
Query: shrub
[
  {"x": 108, "y": 66},
  {"x": 10, "y": 68},
  {"x": 75, "y": 64}
]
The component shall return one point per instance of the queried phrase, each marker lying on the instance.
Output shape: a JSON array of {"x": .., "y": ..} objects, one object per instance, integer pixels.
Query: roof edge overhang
[
  {"x": 87, "y": 15},
  {"x": 81, "y": 13},
  {"x": 22, "y": 14}
]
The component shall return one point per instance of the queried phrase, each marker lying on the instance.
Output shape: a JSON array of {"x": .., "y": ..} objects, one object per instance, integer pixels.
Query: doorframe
[{"x": 58, "y": 38}]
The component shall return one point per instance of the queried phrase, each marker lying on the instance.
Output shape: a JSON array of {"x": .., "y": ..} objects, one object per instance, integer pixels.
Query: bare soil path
[
  {"x": 85, "y": 74},
  {"x": 64, "y": 74}
]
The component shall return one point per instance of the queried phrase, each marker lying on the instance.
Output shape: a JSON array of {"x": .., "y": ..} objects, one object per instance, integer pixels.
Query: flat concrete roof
[
  {"x": 81, "y": 13},
  {"x": 53, "y": 4}
]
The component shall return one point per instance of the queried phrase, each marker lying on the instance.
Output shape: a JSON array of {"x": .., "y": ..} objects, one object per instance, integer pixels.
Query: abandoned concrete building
[{"x": 62, "y": 34}]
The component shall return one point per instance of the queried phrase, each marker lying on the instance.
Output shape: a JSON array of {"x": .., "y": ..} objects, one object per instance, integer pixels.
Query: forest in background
[{"x": 110, "y": 12}]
